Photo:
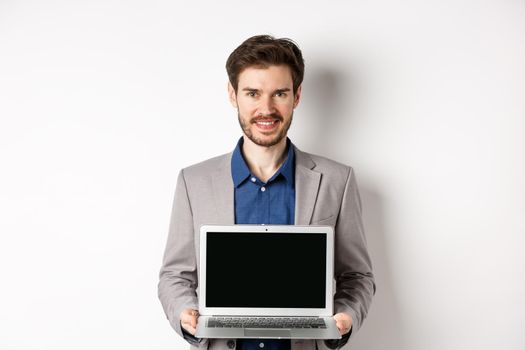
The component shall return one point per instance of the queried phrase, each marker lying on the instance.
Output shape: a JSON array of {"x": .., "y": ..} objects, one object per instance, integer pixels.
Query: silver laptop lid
[{"x": 259, "y": 270}]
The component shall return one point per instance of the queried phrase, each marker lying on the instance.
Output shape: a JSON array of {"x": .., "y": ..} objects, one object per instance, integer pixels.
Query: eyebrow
[{"x": 257, "y": 90}]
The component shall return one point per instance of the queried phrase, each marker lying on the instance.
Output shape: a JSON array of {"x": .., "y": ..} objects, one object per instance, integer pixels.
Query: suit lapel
[
  {"x": 223, "y": 193},
  {"x": 306, "y": 187}
]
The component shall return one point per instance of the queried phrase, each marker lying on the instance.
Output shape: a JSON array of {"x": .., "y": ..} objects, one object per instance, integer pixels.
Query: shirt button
[
  {"x": 263, "y": 189},
  {"x": 261, "y": 345},
  {"x": 253, "y": 179}
]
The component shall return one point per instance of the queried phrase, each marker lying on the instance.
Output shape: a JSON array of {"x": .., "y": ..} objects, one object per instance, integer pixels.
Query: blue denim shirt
[{"x": 258, "y": 202}]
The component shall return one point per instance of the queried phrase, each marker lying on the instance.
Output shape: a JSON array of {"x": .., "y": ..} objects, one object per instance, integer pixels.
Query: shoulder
[
  {"x": 326, "y": 166},
  {"x": 208, "y": 166}
]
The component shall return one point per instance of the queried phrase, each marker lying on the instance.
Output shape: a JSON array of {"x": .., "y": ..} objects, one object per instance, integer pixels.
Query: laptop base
[{"x": 330, "y": 332}]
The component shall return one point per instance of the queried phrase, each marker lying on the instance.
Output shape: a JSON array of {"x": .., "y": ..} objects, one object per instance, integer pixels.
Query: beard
[{"x": 246, "y": 127}]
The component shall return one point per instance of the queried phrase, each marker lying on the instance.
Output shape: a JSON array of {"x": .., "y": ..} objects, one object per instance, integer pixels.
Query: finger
[
  {"x": 194, "y": 313},
  {"x": 189, "y": 329},
  {"x": 340, "y": 317},
  {"x": 342, "y": 327},
  {"x": 185, "y": 318},
  {"x": 193, "y": 321},
  {"x": 190, "y": 321},
  {"x": 188, "y": 314}
]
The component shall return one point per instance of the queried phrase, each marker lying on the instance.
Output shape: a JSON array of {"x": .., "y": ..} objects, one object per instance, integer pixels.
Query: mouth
[{"x": 266, "y": 124}]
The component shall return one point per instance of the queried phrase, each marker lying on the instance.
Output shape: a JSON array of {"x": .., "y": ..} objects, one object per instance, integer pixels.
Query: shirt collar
[
  {"x": 240, "y": 170},
  {"x": 288, "y": 168}
]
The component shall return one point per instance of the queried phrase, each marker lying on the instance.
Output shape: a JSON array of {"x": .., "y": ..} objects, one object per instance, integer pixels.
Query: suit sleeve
[
  {"x": 178, "y": 275},
  {"x": 355, "y": 284}
]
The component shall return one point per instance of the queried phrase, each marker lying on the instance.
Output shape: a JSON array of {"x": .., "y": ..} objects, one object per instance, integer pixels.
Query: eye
[
  {"x": 280, "y": 94},
  {"x": 251, "y": 94}
]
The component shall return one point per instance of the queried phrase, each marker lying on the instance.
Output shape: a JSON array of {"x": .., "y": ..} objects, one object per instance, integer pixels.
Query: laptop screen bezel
[{"x": 254, "y": 311}]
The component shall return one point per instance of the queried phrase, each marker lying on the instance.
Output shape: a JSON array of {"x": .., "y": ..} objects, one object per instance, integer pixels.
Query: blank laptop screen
[{"x": 259, "y": 270}]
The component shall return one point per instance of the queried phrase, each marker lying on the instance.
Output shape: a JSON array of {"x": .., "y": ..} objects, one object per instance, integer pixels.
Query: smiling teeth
[{"x": 265, "y": 123}]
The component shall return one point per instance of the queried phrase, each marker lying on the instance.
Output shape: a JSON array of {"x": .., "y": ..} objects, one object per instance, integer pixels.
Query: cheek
[
  {"x": 285, "y": 109},
  {"x": 246, "y": 109},
  {"x": 245, "y": 113}
]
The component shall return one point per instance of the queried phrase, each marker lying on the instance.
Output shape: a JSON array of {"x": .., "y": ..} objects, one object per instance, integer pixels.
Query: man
[{"x": 266, "y": 180}]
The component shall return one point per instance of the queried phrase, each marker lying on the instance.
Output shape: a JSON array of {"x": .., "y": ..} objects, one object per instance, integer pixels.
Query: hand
[
  {"x": 188, "y": 320},
  {"x": 343, "y": 322}
]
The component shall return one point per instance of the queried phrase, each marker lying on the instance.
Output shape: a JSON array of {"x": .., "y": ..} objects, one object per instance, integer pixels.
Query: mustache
[{"x": 264, "y": 117}]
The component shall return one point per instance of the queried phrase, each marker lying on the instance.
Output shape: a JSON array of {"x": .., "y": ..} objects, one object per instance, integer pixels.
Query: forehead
[{"x": 274, "y": 76}]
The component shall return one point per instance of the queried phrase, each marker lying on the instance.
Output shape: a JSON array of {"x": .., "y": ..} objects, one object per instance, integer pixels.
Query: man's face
[{"x": 265, "y": 103}]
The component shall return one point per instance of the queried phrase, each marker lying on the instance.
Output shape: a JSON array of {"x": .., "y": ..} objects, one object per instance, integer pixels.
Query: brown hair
[{"x": 263, "y": 51}]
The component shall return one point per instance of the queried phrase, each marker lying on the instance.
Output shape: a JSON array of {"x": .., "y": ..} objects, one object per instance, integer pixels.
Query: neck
[{"x": 264, "y": 161}]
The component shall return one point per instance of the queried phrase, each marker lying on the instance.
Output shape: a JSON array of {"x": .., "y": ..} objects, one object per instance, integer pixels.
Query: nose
[{"x": 266, "y": 106}]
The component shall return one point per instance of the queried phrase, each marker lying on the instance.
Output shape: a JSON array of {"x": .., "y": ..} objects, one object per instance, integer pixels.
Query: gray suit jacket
[{"x": 326, "y": 194}]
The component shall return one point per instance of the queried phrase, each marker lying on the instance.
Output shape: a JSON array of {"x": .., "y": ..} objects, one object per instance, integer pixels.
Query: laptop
[{"x": 273, "y": 282}]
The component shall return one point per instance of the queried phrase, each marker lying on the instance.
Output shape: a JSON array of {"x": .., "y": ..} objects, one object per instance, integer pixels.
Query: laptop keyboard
[{"x": 266, "y": 322}]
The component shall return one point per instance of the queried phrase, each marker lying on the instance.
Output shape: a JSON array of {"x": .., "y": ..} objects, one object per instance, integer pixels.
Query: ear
[
  {"x": 297, "y": 96},
  {"x": 232, "y": 95}
]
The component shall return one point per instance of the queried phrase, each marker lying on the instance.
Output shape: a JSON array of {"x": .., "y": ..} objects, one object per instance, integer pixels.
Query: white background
[{"x": 102, "y": 102}]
